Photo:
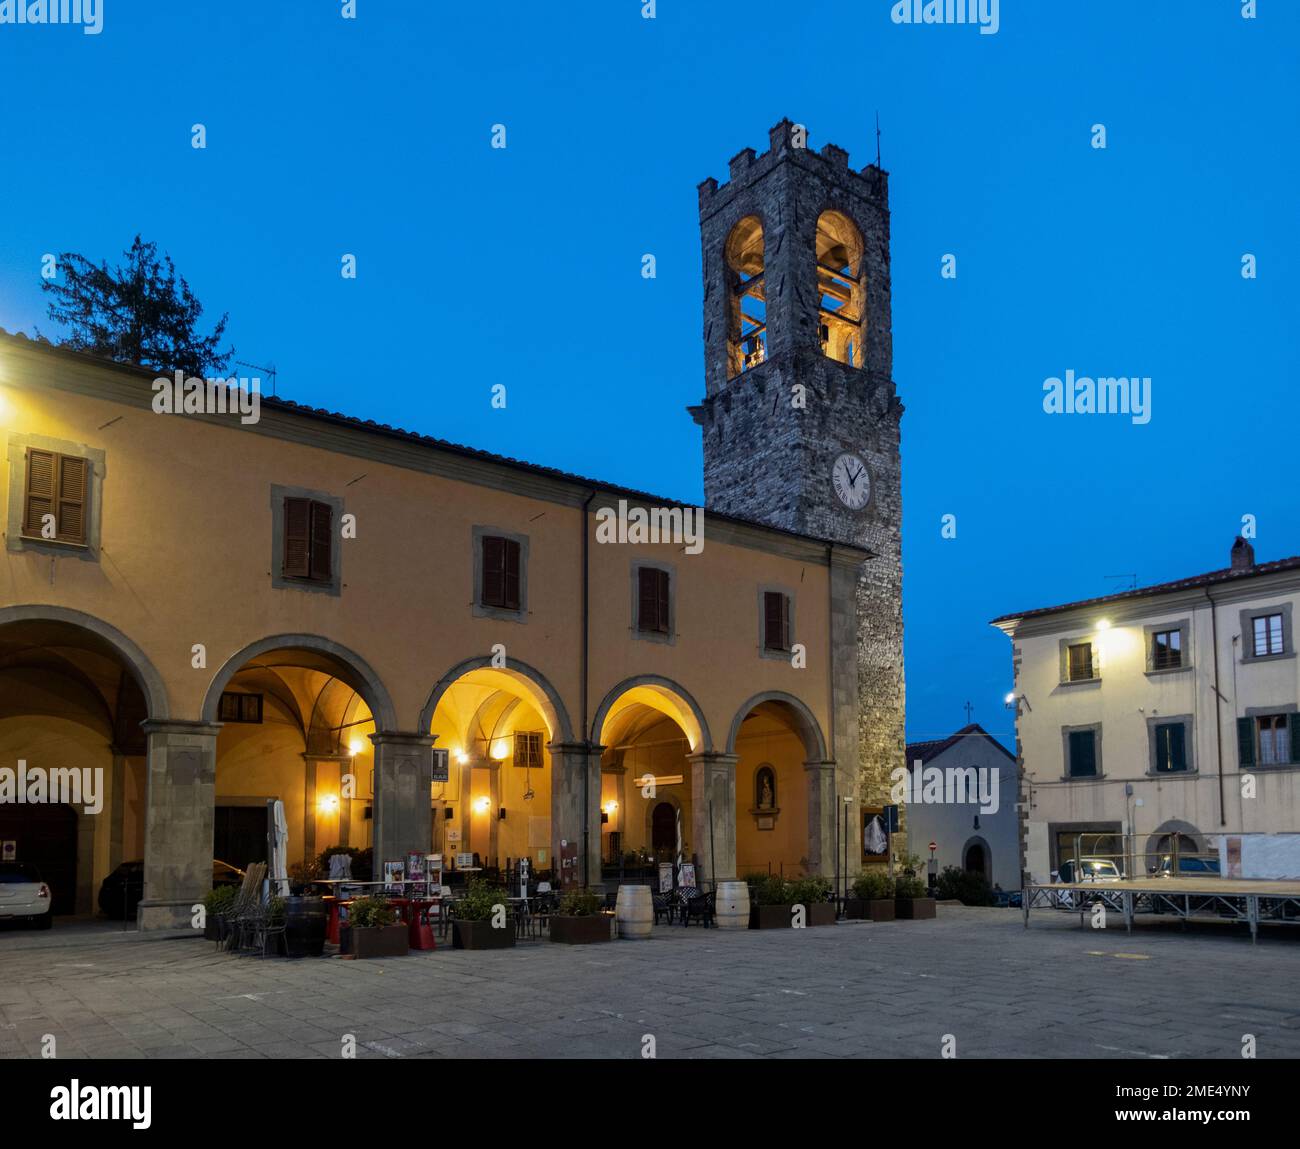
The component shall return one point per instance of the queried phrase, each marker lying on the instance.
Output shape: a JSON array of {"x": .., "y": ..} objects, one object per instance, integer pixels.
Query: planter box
[
  {"x": 869, "y": 909},
  {"x": 779, "y": 917},
  {"x": 379, "y": 941},
  {"x": 914, "y": 908},
  {"x": 481, "y": 935},
  {"x": 580, "y": 930}
]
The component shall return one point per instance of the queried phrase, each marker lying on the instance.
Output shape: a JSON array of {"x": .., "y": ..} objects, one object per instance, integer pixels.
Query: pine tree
[{"x": 141, "y": 312}]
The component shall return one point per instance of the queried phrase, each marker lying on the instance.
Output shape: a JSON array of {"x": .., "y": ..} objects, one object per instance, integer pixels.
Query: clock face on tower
[{"x": 851, "y": 480}]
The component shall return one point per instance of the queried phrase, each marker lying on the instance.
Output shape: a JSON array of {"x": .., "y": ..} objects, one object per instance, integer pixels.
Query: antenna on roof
[
  {"x": 1132, "y": 580},
  {"x": 269, "y": 372},
  {"x": 877, "y": 137},
  {"x": 969, "y": 708}
]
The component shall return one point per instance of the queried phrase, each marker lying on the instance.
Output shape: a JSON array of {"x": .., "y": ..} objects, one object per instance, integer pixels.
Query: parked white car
[{"x": 24, "y": 895}]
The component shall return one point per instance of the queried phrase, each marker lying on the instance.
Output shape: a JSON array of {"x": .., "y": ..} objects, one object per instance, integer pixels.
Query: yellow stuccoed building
[{"x": 209, "y": 613}]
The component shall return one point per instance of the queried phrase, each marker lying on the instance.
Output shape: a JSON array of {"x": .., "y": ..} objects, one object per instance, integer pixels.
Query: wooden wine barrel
[
  {"x": 634, "y": 911},
  {"x": 304, "y": 927},
  {"x": 732, "y": 906}
]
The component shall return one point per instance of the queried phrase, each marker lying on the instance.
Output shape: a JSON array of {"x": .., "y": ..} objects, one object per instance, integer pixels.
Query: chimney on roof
[{"x": 1243, "y": 555}]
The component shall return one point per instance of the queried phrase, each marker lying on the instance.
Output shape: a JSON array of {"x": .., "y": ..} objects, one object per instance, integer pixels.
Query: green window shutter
[
  {"x": 1246, "y": 742},
  {"x": 1177, "y": 747},
  {"x": 1083, "y": 753},
  {"x": 1294, "y": 731}
]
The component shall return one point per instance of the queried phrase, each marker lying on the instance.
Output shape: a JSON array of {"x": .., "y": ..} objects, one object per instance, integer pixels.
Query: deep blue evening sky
[{"x": 522, "y": 266}]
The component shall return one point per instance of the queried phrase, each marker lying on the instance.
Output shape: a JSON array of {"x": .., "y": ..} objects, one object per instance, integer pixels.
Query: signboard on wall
[
  {"x": 569, "y": 875},
  {"x": 8, "y": 850},
  {"x": 441, "y": 765},
  {"x": 875, "y": 834}
]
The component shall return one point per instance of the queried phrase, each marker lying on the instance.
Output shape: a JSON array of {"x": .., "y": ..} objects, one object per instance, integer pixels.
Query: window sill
[
  {"x": 1270, "y": 767},
  {"x": 1168, "y": 670},
  {"x": 1082, "y": 777},
  {"x": 1190, "y": 773},
  {"x": 663, "y": 637},
  {"x": 1247, "y": 659},
  {"x": 500, "y": 613},
  {"x": 1094, "y": 681},
  {"x": 312, "y": 586},
  {"x": 775, "y": 655}
]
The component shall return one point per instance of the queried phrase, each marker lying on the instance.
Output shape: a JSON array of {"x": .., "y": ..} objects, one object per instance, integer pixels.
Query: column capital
[
  {"x": 575, "y": 748},
  {"x": 820, "y": 764},
  {"x": 713, "y": 756},
  {"x": 180, "y": 726},
  {"x": 325, "y": 757},
  {"x": 400, "y": 738}
]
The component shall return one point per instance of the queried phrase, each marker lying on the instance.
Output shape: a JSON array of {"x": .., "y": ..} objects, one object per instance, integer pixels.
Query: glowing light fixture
[
  {"x": 610, "y": 806},
  {"x": 327, "y": 803},
  {"x": 1103, "y": 624},
  {"x": 356, "y": 746},
  {"x": 482, "y": 804},
  {"x": 500, "y": 748},
  {"x": 1010, "y": 698},
  {"x": 462, "y": 757}
]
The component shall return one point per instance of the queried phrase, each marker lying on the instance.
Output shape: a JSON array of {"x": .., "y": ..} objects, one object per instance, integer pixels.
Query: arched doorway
[
  {"x": 296, "y": 714},
  {"x": 663, "y": 830},
  {"x": 498, "y": 725},
  {"x": 650, "y": 728},
  {"x": 977, "y": 858},
  {"x": 73, "y": 694},
  {"x": 780, "y": 753}
]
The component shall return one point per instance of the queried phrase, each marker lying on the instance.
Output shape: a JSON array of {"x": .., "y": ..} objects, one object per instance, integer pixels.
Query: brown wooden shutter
[
  {"x": 663, "y": 599},
  {"x": 322, "y": 540},
  {"x": 72, "y": 500},
  {"x": 40, "y": 490},
  {"x": 492, "y": 592},
  {"x": 647, "y": 600},
  {"x": 510, "y": 572},
  {"x": 775, "y": 621},
  {"x": 297, "y": 538}
]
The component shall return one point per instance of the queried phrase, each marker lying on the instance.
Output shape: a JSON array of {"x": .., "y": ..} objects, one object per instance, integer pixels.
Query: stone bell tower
[{"x": 800, "y": 415}]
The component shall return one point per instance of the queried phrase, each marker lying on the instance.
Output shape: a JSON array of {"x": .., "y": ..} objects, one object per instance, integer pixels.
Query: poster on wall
[
  {"x": 665, "y": 877},
  {"x": 875, "y": 838},
  {"x": 393, "y": 876}
]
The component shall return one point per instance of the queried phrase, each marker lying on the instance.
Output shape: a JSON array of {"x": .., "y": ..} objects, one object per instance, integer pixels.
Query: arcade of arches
[{"x": 302, "y": 721}]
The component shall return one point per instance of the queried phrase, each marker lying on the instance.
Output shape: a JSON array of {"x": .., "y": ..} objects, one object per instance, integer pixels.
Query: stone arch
[
  {"x": 1166, "y": 830},
  {"x": 356, "y": 672},
  {"x": 519, "y": 675},
  {"x": 663, "y": 695},
  {"x": 801, "y": 717},
  {"x": 150, "y": 681}
]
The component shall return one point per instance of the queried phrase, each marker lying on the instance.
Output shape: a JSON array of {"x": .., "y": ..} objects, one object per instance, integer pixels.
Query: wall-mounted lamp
[
  {"x": 1103, "y": 624},
  {"x": 500, "y": 749},
  {"x": 327, "y": 803},
  {"x": 482, "y": 804},
  {"x": 610, "y": 806},
  {"x": 462, "y": 757},
  {"x": 356, "y": 746}
]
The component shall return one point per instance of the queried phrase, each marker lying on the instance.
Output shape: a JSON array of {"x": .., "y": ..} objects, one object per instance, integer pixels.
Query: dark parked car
[
  {"x": 123, "y": 889},
  {"x": 1188, "y": 865}
]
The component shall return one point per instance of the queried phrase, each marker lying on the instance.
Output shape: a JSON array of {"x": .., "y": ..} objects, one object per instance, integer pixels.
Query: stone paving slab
[{"x": 850, "y": 991}]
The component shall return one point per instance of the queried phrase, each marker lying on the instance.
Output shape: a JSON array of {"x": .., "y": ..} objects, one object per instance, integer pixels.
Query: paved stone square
[{"x": 853, "y": 990}]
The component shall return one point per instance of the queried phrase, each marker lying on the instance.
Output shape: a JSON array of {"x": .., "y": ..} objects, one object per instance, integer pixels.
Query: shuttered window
[
  {"x": 308, "y": 539},
  {"x": 1080, "y": 666},
  {"x": 57, "y": 485},
  {"x": 1083, "y": 753},
  {"x": 776, "y": 620},
  {"x": 1171, "y": 748},
  {"x": 237, "y": 707},
  {"x": 652, "y": 615},
  {"x": 501, "y": 573},
  {"x": 1268, "y": 740},
  {"x": 528, "y": 749}
]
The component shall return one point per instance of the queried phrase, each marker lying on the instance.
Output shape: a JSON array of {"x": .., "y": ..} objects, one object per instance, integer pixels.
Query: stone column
[
  {"x": 713, "y": 840},
  {"x": 575, "y": 774},
  {"x": 180, "y": 796},
  {"x": 403, "y": 796},
  {"x": 823, "y": 809},
  {"x": 493, "y": 856}
]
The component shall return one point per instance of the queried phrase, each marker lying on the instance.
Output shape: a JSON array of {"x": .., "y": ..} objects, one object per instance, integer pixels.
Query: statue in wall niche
[{"x": 766, "y": 790}]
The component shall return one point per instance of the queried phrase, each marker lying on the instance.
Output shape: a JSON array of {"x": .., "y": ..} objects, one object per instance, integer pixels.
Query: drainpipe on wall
[
  {"x": 1218, "y": 700},
  {"x": 586, "y": 733},
  {"x": 830, "y": 718}
]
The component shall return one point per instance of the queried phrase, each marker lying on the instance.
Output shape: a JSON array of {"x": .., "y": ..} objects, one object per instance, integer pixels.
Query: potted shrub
[
  {"x": 873, "y": 897},
  {"x": 474, "y": 926},
  {"x": 374, "y": 931},
  {"x": 580, "y": 919},
  {"x": 769, "y": 903},
  {"x": 216, "y": 902},
  {"x": 965, "y": 887},
  {"x": 910, "y": 901},
  {"x": 814, "y": 893}
]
